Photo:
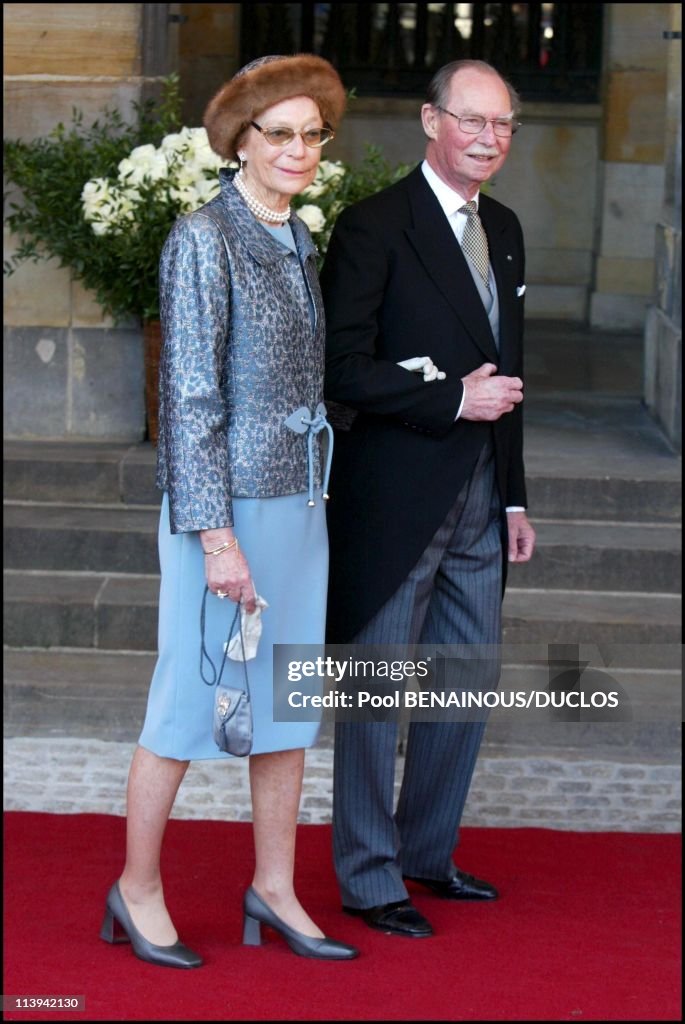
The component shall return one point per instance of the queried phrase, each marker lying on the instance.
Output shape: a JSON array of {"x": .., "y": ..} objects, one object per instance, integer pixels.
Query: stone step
[
  {"x": 119, "y": 612},
  {"x": 614, "y": 498},
  {"x": 80, "y": 610},
  {"x": 103, "y": 694},
  {"x": 76, "y": 693},
  {"x": 81, "y": 538},
  {"x": 592, "y": 455},
  {"x": 574, "y": 555},
  {"x": 590, "y": 617},
  {"x": 562, "y": 483},
  {"x": 91, "y": 472},
  {"x": 570, "y": 555}
]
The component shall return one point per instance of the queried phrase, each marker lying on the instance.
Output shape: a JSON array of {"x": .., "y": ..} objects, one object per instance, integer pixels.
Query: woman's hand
[{"x": 228, "y": 574}]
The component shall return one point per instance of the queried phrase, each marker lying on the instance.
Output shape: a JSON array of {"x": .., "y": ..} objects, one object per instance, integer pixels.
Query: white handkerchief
[
  {"x": 252, "y": 630},
  {"x": 521, "y": 290}
]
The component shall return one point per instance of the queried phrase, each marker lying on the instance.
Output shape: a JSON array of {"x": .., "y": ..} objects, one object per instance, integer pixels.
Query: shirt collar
[{"x": 449, "y": 200}]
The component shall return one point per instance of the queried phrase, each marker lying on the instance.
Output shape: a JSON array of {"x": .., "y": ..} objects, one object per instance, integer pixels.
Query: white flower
[
  {"x": 104, "y": 219},
  {"x": 185, "y": 174},
  {"x": 108, "y": 207},
  {"x": 206, "y": 159},
  {"x": 99, "y": 205},
  {"x": 179, "y": 141},
  {"x": 191, "y": 195},
  {"x": 183, "y": 170},
  {"x": 186, "y": 196},
  {"x": 145, "y": 163},
  {"x": 327, "y": 173},
  {"x": 101, "y": 227},
  {"x": 314, "y": 190},
  {"x": 94, "y": 193},
  {"x": 94, "y": 188},
  {"x": 313, "y": 217},
  {"x": 329, "y": 169},
  {"x": 208, "y": 189},
  {"x": 190, "y": 148}
]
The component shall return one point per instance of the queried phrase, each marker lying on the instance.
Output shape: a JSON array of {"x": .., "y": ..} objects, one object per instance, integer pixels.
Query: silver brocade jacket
[{"x": 240, "y": 355}]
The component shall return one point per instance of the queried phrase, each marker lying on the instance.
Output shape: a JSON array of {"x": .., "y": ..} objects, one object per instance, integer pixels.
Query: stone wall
[
  {"x": 631, "y": 162},
  {"x": 208, "y": 55},
  {"x": 663, "y": 332},
  {"x": 69, "y": 372},
  {"x": 550, "y": 180},
  {"x": 586, "y": 180}
]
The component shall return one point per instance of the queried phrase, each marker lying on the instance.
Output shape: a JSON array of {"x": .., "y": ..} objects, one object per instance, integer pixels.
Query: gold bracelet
[{"x": 228, "y": 546}]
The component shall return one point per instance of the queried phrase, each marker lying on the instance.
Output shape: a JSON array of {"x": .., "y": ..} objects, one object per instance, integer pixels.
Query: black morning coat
[{"x": 396, "y": 285}]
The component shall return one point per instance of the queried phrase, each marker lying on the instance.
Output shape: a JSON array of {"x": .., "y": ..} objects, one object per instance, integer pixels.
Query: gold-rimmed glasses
[{"x": 314, "y": 138}]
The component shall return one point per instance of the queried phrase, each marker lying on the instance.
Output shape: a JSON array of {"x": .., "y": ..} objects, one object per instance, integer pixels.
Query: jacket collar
[
  {"x": 438, "y": 249},
  {"x": 262, "y": 245}
]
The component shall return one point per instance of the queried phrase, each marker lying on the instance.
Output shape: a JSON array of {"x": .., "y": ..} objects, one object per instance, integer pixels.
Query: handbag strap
[{"x": 204, "y": 654}]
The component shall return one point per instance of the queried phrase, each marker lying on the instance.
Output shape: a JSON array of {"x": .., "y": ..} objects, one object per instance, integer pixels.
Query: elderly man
[{"x": 428, "y": 490}]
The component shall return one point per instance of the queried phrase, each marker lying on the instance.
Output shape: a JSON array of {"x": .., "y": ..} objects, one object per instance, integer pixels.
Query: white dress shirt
[{"x": 449, "y": 200}]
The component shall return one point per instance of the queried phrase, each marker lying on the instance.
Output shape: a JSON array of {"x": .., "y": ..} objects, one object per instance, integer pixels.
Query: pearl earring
[{"x": 243, "y": 159}]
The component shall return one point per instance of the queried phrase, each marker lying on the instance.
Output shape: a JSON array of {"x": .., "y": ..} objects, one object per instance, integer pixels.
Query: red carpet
[{"x": 587, "y": 928}]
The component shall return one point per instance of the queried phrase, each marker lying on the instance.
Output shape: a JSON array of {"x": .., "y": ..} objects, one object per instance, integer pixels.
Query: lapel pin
[{"x": 509, "y": 257}]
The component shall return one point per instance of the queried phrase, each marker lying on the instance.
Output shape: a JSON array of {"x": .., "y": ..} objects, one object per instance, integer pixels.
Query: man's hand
[
  {"x": 521, "y": 537},
  {"x": 488, "y": 397}
]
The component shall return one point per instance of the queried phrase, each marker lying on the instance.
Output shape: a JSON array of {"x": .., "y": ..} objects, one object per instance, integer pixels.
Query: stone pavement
[{"x": 74, "y": 775}]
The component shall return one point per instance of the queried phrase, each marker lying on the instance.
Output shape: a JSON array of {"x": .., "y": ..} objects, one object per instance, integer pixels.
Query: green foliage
[
  {"x": 50, "y": 173},
  {"x": 116, "y": 255},
  {"x": 350, "y": 185}
]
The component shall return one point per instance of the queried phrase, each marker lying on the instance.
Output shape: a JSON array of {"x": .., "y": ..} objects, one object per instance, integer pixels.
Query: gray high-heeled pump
[
  {"x": 257, "y": 913},
  {"x": 176, "y": 955}
]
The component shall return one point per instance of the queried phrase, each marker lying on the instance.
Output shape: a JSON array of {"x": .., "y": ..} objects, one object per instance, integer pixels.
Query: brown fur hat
[{"x": 262, "y": 83}]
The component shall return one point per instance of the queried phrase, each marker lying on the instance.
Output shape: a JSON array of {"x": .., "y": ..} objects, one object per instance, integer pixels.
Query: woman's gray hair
[{"x": 439, "y": 85}]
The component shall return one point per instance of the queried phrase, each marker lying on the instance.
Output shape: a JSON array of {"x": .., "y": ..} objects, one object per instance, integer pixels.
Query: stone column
[
  {"x": 663, "y": 331},
  {"x": 631, "y": 167}
]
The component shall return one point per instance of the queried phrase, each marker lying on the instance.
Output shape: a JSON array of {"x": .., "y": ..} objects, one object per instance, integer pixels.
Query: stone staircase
[
  {"x": 81, "y": 590},
  {"x": 81, "y": 559}
]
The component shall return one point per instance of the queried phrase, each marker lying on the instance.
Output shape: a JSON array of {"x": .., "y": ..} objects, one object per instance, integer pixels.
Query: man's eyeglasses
[
  {"x": 313, "y": 137},
  {"x": 473, "y": 124}
]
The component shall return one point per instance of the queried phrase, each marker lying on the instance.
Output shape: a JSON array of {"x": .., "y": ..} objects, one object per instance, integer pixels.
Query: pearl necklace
[{"x": 260, "y": 211}]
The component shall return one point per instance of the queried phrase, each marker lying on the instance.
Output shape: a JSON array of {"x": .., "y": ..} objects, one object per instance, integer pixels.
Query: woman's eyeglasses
[{"x": 312, "y": 137}]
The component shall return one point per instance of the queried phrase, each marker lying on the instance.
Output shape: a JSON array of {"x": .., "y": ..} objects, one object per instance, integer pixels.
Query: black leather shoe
[
  {"x": 459, "y": 887},
  {"x": 399, "y": 918}
]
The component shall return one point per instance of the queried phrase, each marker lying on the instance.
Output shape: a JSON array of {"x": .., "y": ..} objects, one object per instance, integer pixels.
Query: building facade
[{"x": 594, "y": 174}]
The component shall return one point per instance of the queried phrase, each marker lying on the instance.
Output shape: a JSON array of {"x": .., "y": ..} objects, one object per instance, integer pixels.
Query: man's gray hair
[{"x": 439, "y": 86}]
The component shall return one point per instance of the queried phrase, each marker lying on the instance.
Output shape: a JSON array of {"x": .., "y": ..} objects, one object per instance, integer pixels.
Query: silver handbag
[{"x": 232, "y": 712}]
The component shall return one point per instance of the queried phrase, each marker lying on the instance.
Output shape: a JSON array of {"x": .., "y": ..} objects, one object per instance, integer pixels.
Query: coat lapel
[
  {"x": 437, "y": 248},
  {"x": 504, "y": 269},
  {"x": 306, "y": 250}
]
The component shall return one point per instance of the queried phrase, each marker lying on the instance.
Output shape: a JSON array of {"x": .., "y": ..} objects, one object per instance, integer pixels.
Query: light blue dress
[{"x": 286, "y": 546}]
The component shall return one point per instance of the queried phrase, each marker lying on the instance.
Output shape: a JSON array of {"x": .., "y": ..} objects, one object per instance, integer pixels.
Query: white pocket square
[{"x": 521, "y": 290}]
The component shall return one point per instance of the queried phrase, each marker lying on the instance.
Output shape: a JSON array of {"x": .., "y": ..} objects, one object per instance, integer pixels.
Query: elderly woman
[{"x": 242, "y": 511}]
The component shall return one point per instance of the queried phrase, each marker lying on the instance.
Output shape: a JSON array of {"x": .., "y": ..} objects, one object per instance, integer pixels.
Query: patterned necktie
[{"x": 474, "y": 241}]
